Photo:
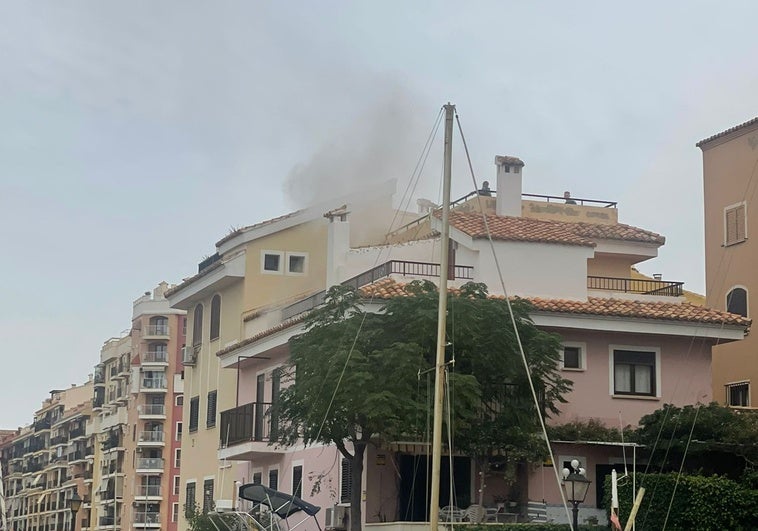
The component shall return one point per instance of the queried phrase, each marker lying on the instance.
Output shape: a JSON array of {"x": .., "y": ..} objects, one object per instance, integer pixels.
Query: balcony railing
[
  {"x": 58, "y": 439},
  {"x": 108, "y": 521},
  {"x": 393, "y": 267},
  {"x": 156, "y": 330},
  {"x": 250, "y": 422},
  {"x": 77, "y": 455},
  {"x": 151, "y": 436},
  {"x": 150, "y": 463},
  {"x": 147, "y": 517},
  {"x": 43, "y": 424},
  {"x": 155, "y": 356},
  {"x": 154, "y": 383},
  {"x": 153, "y": 409},
  {"x": 77, "y": 432},
  {"x": 633, "y": 285},
  {"x": 145, "y": 491}
]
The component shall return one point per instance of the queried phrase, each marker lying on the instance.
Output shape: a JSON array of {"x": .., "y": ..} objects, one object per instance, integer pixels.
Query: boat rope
[
  {"x": 513, "y": 323},
  {"x": 681, "y": 467}
]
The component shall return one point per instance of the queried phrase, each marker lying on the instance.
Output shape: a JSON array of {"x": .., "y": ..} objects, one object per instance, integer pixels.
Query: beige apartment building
[
  {"x": 730, "y": 182},
  {"x": 45, "y": 464},
  {"x": 275, "y": 261},
  {"x": 137, "y": 401}
]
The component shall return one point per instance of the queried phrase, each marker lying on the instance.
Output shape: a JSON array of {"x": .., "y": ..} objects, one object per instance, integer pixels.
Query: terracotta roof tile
[
  {"x": 255, "y": 226},
  {"x": 265, "y": 333},
  {"x": 190, "y": 280},
  {"x": 670, "y": 311},
  {"x": 546, "y": 231},
  {"x": 726, "y": 132}
]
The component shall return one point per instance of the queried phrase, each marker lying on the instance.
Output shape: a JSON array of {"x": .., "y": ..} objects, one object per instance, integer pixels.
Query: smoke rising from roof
[{"x": 382, "y": 142}]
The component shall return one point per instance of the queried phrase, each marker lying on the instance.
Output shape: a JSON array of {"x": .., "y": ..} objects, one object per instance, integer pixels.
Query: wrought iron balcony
[
  {"x": 634, "y": 285},
  {"x": 155, "y": 356},
  {"x": 249, "y": 422}
]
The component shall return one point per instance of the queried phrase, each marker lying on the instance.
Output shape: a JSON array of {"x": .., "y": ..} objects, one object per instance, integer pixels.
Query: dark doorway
[{"x": 414, "y": 494}]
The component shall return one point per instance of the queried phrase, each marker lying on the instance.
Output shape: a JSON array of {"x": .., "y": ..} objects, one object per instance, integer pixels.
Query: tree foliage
[
  {"x": 357, "y": 378},
  {"x": 708, "y": 438}
]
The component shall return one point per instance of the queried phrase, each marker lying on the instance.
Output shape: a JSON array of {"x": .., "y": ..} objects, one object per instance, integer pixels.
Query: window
[
  {"x": 194, "y": 413},
  {"x": 210, "y": 419},
  {"x": 207, "y": 496},
  {"x": 273, "y": 479},
  {"x": 736, "y": 301},
  {"x": 174, "y": 512},
  {"x": 215, "y": 316},
  {"x": 346, "y": 480},
  {"x": 184, "y": 326},
  {"x": 735, "y": 224},
  {"x": 257, "y": 478},
  {"x": 634, "y": 372},
  {"x": 177, "y": 458},
  {"x": 573, "y": 357},
  {"x": 197, "y": 325},
  {"x": 178, "y": 436},
  {"x": 189, "y": 504},
  {"x": 179, "y": 400},
  {"x": 271, "y": 262},
  {"x": 177, "y": 485},
  {"x": 296, "y": 263},
  {"x": 297, "y": 481},
  {"x": 738, "y": 394}
]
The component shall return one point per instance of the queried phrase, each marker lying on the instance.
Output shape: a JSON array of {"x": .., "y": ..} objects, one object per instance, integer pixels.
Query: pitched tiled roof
[
  {"x": 669, "y": 311},
  {"x": 724, "y": 133},
  {"x": 265, "y": 333},
  {"x": 548, "y": 231},
  {"x": 255, "y": 226},
  {"x": 190, "y": 280}
]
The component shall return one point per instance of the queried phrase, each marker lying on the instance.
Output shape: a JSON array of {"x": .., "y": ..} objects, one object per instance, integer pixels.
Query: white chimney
[
  {"x": 509, "y": 173},
  {"x": 338, "y": 244}
]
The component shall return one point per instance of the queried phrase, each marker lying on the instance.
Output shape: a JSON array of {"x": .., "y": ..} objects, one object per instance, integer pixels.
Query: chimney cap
[{"x": 512, "y": 161}]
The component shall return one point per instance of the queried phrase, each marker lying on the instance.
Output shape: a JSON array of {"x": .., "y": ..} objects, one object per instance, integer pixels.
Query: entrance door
[{"x": 414, "y": 493}]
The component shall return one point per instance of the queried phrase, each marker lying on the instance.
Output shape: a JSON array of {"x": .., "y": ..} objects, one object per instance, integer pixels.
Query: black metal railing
[
  {"x": 76, "y": 432},
  {"x": 634, "y": 285},
  {"x": 249, "y": 422},
  {"x": 42, "y": 424},
  {"x": 393, "y": 267}
]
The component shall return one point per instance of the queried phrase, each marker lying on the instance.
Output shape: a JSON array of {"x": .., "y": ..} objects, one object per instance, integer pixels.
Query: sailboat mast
[{"x": 439, "y": 379}]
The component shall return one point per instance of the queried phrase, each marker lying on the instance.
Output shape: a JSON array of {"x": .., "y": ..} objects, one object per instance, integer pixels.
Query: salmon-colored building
[
  {"x": 630, "y": 344},
  {"x": 729, "y": 193}
]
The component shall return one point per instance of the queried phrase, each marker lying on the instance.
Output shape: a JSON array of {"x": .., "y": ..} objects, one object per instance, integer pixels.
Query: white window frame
[
  {"x": 176, "y": 400},
  {"x": 281, "y": 256},
  {"x": 177, "y": 458},
  {"x": 731, "y": 207},
  {"x": 747, "y": 298},
  {"x": 176, "y": 487},
  {"x": 257, "y": 471},
  {"x": 612, "y": 375},
  {"x": 582, "y": 355},
  {"x": 304, "y": 256},
  {"x": 177, "y": 431},
  {"x": 729, "y": 385},
  {"x": 175, "y": 511},
  {"x": 293, "y": 464}
]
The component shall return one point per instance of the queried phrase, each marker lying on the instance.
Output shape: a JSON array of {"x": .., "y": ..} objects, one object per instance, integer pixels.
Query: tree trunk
[{"x": 357, "y": 483}]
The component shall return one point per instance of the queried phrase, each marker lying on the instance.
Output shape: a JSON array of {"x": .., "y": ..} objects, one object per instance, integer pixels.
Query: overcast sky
[{"x": 133, "y": 135}]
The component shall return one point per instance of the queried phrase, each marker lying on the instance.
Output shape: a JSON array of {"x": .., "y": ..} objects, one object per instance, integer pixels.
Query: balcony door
[{"x": 259, "y": 408}]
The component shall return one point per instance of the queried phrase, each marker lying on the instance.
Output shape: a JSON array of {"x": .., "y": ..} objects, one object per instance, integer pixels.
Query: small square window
[
  {"x": 271, "y": 262},
  {"x": 296, "y": 264},
  {"x": 738, "y": 394},
  {"x": 572, "y": 358}
]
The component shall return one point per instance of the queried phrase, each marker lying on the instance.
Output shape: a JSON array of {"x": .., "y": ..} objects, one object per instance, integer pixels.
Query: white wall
[{"x": 534, "y": 269}]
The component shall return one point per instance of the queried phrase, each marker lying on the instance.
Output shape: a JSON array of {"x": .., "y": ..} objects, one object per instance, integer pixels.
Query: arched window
[
  {"x": 736, "y": 301},
  {"x": 215, "y": 316},
  {"x": 197, "y": 325}
]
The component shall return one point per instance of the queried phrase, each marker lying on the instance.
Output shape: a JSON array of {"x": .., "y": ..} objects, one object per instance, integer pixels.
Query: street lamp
[
  {"x": 74, "y": 503},
  {"x": 575, "y": 485}
]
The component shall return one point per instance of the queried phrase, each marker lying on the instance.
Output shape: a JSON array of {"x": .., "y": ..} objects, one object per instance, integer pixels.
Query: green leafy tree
[
  {"x": 354, "y": 375},
  {"x": 709, "y": 438}
]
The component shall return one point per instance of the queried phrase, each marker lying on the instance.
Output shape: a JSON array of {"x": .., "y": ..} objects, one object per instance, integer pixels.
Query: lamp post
[
  {"x": 575, "y": 485},
  {"x": 74, "y": 503}
]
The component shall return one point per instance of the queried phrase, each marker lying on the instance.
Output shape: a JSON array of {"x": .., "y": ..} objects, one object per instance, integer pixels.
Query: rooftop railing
[{"x": 634, "y": 285}]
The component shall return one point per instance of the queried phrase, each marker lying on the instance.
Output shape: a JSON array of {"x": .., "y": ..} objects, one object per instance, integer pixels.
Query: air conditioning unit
[
  {"x": 224, "y": 506},
  {"x": 338, "y": 518},
  {"x": 189, "y": 356}
]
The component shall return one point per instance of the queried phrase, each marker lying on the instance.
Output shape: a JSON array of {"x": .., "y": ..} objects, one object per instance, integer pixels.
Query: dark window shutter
[
  {"x": 215, "y": 316},
  {"x": 189, "y": 505},
  {"x": 207, "y": 496},
  {"x": 273, "y": 479},
  {"x": 297, "y": 481},
  {"x": 194, "y": 412},
  {"x": 210, "y": 420},
  {"x": 346, "y": 480}
]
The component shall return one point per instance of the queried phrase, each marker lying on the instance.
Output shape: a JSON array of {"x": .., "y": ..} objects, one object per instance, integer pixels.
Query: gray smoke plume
[{"x": 382, "y": 142}]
